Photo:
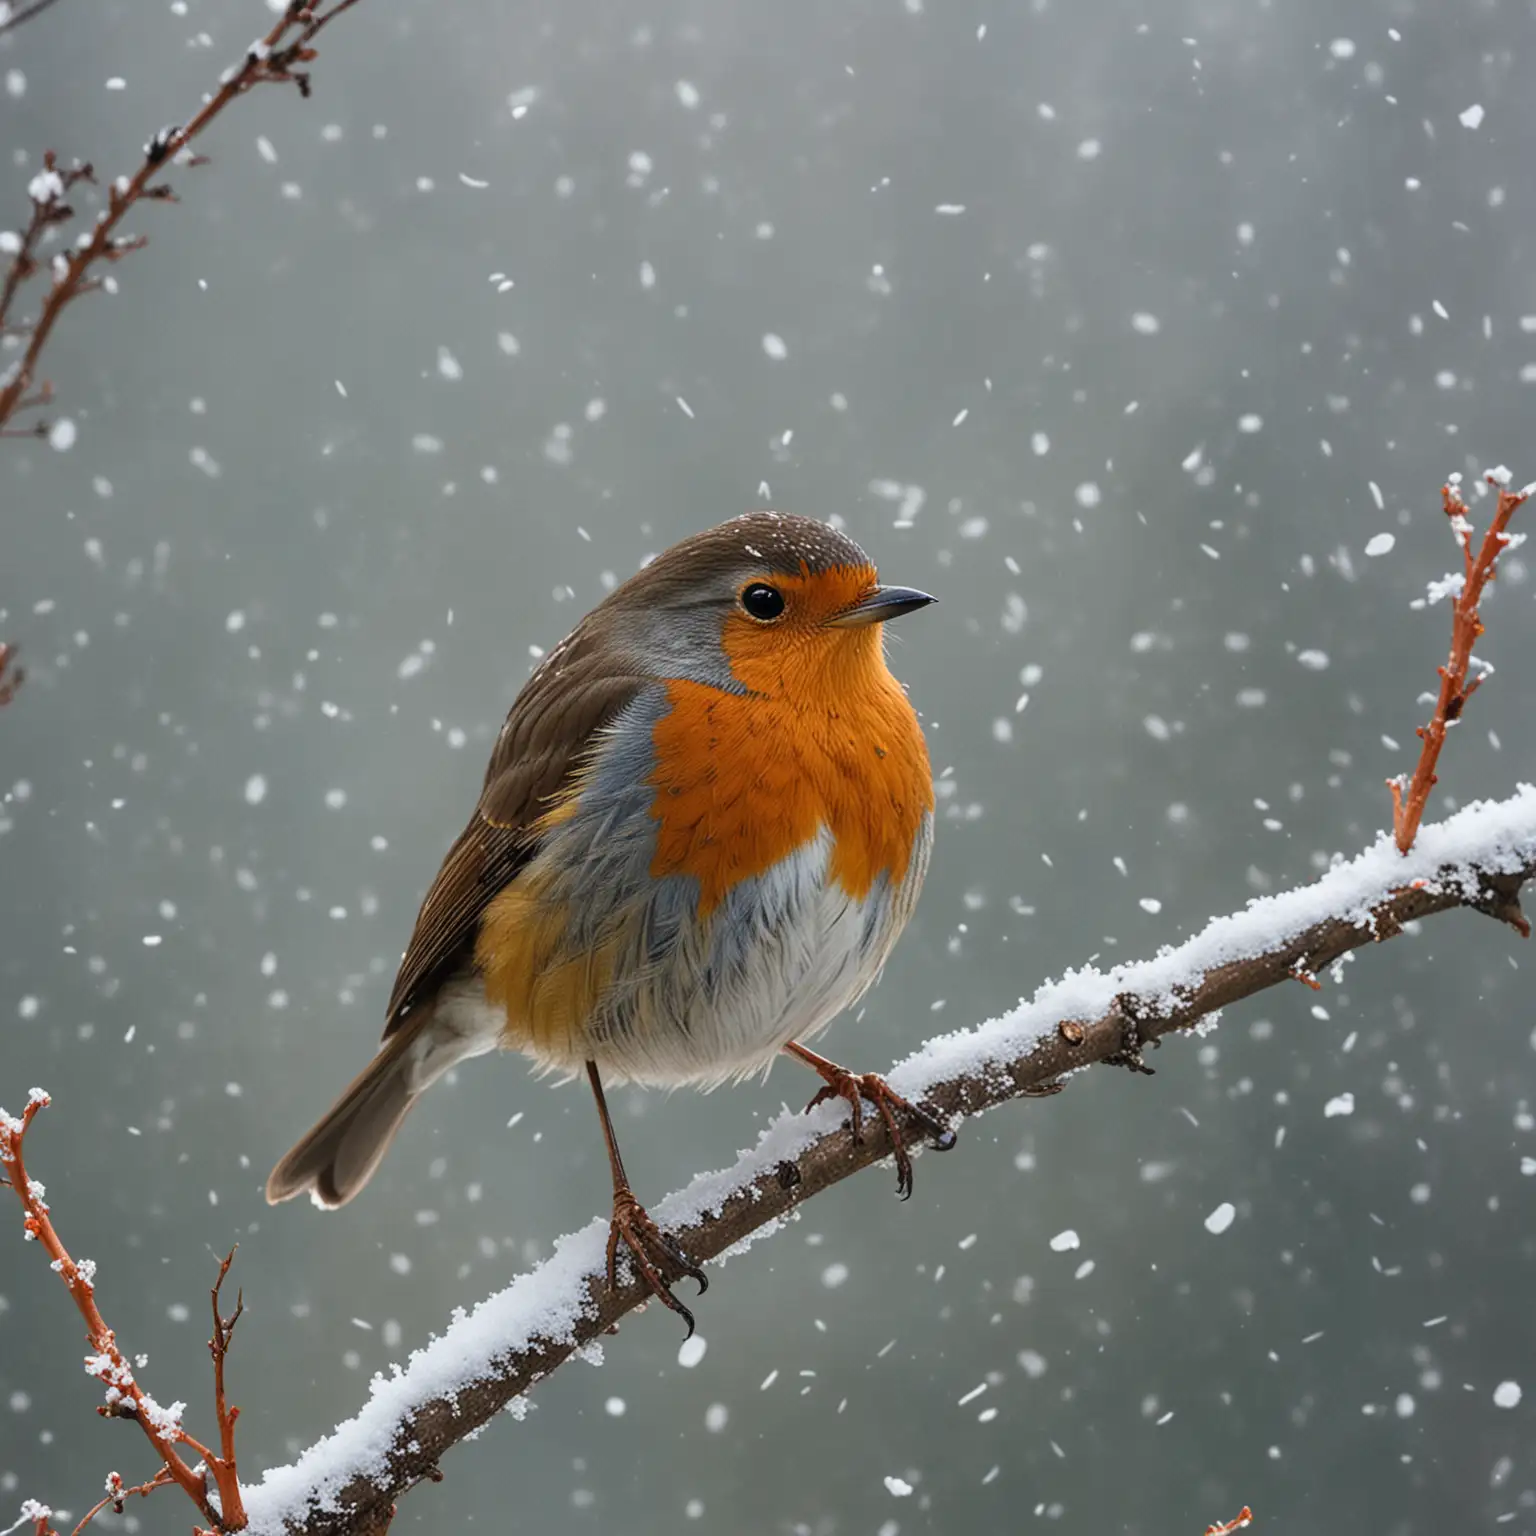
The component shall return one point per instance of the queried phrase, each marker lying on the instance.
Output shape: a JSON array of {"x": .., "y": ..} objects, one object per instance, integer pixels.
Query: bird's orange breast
[{"x": 820, "y": 741}]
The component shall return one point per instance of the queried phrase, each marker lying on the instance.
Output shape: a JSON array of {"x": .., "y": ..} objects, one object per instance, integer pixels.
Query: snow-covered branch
[{"x": 487, "y": 1360}]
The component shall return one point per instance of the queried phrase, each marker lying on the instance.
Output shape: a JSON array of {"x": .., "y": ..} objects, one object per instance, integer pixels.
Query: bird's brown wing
[{"x": 564, "y": 704}]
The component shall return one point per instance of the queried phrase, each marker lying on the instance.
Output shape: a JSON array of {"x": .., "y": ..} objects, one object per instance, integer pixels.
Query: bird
[{"x": 703, "y": 826}]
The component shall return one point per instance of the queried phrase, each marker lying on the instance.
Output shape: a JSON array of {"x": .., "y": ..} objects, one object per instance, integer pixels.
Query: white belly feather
[{"x": 781, "y": 957}]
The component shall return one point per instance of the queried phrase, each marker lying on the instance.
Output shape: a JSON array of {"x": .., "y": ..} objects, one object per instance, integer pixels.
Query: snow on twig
[
  {"x": 1409, "y": 796},
  {"x": 109, "y": 1364}
]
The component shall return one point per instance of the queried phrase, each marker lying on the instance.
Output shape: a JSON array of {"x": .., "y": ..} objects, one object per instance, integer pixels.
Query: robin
[{"x": 703, "y": 826}]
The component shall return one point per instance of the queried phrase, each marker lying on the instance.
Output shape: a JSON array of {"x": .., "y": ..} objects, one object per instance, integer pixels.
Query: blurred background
[{"x": 1125, "y": 328}]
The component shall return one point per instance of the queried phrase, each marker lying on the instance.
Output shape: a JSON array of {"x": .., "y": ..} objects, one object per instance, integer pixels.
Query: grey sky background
[{"x": 1172, "y": 307}]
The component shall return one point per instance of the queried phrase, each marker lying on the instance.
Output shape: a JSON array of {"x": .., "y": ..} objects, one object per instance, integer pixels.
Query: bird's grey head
[{"x": 765, "y": 570}]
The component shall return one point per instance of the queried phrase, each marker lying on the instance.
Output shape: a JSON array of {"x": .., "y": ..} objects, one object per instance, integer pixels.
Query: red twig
[
  {"x": 1243, "y": 1520},
  {"x": 116, "y": 1494},
  {"x": 272, "y": 58},
  {"x": 1409, "y": 799},
  {"x": 9, "y": 685},
  {"x": 41, "y": 1517},
  {"x": 126, "y": 1399},
  {"x": 223, "y": 1465}
]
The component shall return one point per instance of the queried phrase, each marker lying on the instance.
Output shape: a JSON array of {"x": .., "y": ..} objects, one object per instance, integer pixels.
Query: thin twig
[
  {"x": 271, "y": 59},
  {"x": 223, "y": 1465},
  {"x": 126, "y": 1399},
  {"x": 1227, "y": 1527},
  {"x": 117, "y": 1494},
  {"x": 1410, "y": 798},
  {"x": 9, "y": 684}
]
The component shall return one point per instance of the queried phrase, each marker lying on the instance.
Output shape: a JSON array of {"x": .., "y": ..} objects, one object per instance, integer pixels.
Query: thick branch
[{"x": 347, "y": 1483}]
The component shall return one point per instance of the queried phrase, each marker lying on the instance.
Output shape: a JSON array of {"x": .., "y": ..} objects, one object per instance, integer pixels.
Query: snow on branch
[{"x": 488, "y": 1359}]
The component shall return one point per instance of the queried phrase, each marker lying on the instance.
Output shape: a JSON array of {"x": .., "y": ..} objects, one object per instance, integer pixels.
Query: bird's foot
[
  {"x": 656, "y": 1256},
  {"x": 855, "y": 1087}
]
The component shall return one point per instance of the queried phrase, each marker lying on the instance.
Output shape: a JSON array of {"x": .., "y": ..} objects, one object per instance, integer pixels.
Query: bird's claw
[
  {"x": 656, "y": 1255},
  {"x": 855, "y": 1087}
]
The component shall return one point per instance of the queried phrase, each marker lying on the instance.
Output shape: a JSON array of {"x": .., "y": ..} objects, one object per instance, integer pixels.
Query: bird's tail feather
[{"x": 339, "y": 1154}]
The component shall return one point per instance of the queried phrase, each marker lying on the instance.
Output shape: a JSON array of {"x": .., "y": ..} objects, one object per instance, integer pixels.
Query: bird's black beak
[{"x": 880, "y": 604}]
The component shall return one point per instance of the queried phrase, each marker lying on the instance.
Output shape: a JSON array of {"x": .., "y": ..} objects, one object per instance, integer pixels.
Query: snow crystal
[
  {"x": 1380, "y": 544},
  {"x": 691, "y": 1351},
  {"x": 1471, "y": 117},
  {"x": 1221, "y": 1218},
  {"x": 1343, "y": 1104},
  {"x": 1507, "y": 1395},
  {"x": 775, "y": 347},
  {"x": 1313, "y": 661},
  {"x": 255, "y": 789},
  {"x": 1436, "y": 591},
  {"x": 1146, "y": 324},
  {"x": 687, "y": 94},
  {"x": 1065, "y": 1242},
  {"x": 61, "y": 435},
  {"x": 898, "y": 1487},
  {"x": 1150, "y": 904},
  {"x": 834, "y": 1275},
  {"x": 45, "y": 187}
]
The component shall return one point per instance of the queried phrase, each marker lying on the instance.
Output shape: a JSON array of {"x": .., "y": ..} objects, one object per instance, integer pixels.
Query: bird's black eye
[{"x": 762, "y": 601}]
